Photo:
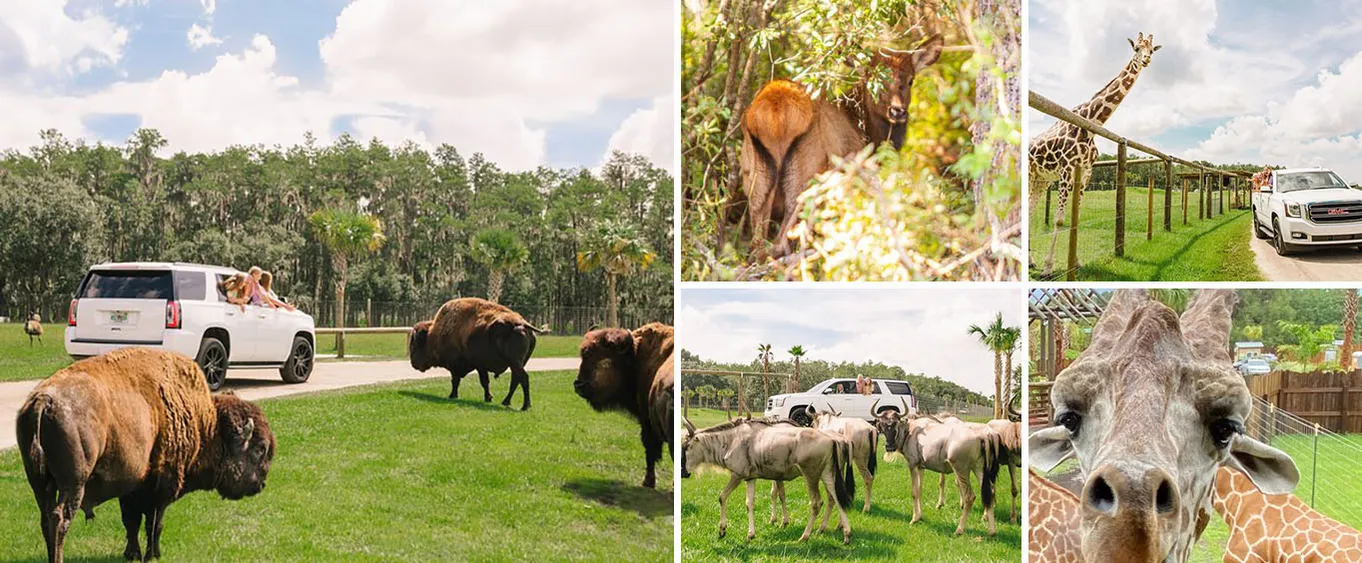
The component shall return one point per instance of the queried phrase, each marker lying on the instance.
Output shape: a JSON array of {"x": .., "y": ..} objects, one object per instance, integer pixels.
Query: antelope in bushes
[
  {"x": 760, "y": 449},
  {"x": 788, "y": 137},
  {"x": 864, "y": 443}
]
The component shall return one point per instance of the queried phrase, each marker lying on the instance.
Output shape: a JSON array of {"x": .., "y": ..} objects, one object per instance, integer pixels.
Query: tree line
[{"x": 540, "y": 241}]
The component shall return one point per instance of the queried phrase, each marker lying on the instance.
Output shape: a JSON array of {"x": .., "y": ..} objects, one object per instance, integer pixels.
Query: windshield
[{"x": 1298, "y": 181}]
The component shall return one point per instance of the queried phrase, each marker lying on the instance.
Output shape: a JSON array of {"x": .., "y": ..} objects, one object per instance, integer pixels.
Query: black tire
[
  {"x": 1280, "y": 244},
  {"x": 1258, "y": 230},
  {"x": 300, "y": 361},
  {"x": 801, "y": 416},
  {"x": 212, "y": 359}
]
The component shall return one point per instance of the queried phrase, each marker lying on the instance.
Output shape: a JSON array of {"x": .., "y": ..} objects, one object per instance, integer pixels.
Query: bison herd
[
  {"x": 782, "y": 450},
  {"x": 141, "y": 426}
]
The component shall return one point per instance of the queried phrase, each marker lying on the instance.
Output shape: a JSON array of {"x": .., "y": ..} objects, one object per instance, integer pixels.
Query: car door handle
[{"x": 262, "y": 315}]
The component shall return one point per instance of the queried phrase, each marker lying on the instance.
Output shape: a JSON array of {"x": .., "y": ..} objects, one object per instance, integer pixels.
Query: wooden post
[
  {"x": 1343, "y": 408},
  {"x": 1149, "y": 210},
  {"x": 1220, "y": 187},
  {"x": 1048, "y": 223},
  {"x": 1076, "y": 196},
  {"x": 1184, "y": 202},
  {"x": 340, "y": 344},
  {"x": 1121, "y": 199},
  {"x": 1201, "y": 198},
  {"x": 1168, "y": 195}
]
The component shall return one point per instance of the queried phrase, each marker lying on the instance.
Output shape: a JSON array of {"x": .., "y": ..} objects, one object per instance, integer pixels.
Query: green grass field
[
  {"x": 1214, "y": 249},
  {"x": 19, "y": 361},
  {"x": 399, "y": 473},
  {"x": 882, "y": 535},
  {"x": 394, "y": 346}
]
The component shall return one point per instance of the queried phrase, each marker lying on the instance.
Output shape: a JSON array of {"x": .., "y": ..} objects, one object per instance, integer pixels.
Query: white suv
[
  {"x": 1307, "y": 206},
  {"x": 839, "y": 395},
  {"x": 181, "y": 307}
]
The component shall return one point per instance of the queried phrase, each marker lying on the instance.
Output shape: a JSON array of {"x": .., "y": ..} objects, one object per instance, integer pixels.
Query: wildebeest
[
  {"x": 475, "y": 334},
  {"x": 138, "y": 425},
  {"x": 1010, "y": 432},
  {"x": 864, "y": 443},
  {"x": 33, "y": 327},
  {"x": 955, "y": 448},
  {"x": 632, "y": 372},
  {"x": 760, "y": 449}
]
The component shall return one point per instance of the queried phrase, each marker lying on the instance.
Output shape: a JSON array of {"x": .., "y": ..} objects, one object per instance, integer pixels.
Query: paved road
[
  {"x": 259, "y": 384},
  {"x": 1329, "y": 264}
]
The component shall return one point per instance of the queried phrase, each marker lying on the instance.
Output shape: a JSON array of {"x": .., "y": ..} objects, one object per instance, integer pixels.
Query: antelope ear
[
  {"x": 1049, "y": 447},
  {"x": 1271, "y": 470},
  {"x": 931, "y": 51}
]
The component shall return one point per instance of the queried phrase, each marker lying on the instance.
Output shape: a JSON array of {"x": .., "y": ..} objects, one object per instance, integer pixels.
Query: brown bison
[
  {"x": 475, "y": 334},
  {"x": 138, "y": 425},
  {"x": 632, "y": 372}
]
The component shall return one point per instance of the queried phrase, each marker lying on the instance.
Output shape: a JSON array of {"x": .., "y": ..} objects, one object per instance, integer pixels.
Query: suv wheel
[
  {"x": 800, "y": 415},
  {"x": 300, "y": 360},
  {"x": 1282, "y": 247},
  {"x": 212, "y": 359}
]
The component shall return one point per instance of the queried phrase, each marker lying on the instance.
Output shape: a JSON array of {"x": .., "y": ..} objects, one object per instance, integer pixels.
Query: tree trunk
[
  {"x": 997, "y": 384},
  {"x": 1007, "y": 382},
  {"x": 1349, "y": 328},
  {"x": 765, "y": 378},
  {"x": 612, "y": 306},
  {"x": 340, "y": 304},
  {"x": 494, "y": 282}
]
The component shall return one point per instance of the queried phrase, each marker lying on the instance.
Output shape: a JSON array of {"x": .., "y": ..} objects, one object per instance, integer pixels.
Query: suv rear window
[
  {"x": 190, "y": 285},
  {"x": 898, "y": 388},
  {"x": 128, "y": 284}
]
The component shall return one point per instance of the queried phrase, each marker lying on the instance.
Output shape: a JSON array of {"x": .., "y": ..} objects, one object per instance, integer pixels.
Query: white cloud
[
  {"x": 486, "y": 77},
  {"x": 649, "y": 132},
  {"x": 920, "y": 330},
  {"x": 51, "y": 41},
  {"x": 201, "y": 36}
]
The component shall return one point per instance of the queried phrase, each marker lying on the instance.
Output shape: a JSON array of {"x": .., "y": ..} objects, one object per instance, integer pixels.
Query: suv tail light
[
  {"x": 172, "y": 314},
  {"x": 71, "y": 313}
]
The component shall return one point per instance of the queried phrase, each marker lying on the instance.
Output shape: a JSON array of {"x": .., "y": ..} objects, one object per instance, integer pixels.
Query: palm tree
[
  {"x": 704, "y": 392},
  {"x": 764, "y": 355},
  {"x": 724, "y": 395},
  {"x": 346, "y": 234},
  {"x": 1345, "y": 354},
  {"x": 501, "y": 251},
  {"x": 797, "y": 352},
  {"x": 618, "y": 250},
  {"x": 1010, "y": 339},
  {"x": 992, "y": 337}
]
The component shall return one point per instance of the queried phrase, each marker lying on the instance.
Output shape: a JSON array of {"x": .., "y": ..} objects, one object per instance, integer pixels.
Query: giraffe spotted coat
[{"x": 1278, "y": 528}]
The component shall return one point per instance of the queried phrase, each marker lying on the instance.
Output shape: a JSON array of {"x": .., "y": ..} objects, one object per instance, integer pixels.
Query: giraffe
[
  {"x": 1278, "y": 528},
  {"x": 1054, "y": 517},
  {"x": 1055, "y": 152},
  {"x": 1151, "y": 409}
]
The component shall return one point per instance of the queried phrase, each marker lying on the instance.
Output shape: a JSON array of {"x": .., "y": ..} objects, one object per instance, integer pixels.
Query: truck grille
[{"x": 1334, "y": 212}]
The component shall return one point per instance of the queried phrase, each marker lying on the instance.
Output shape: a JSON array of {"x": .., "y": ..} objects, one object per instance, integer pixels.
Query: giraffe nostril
[
  {"x": 1101, "y": 497},
  {"x": 1164, "y": 501}
]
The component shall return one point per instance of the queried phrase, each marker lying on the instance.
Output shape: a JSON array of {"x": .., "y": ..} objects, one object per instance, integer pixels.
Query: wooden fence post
[
  {"x": 1343, "y": 407},
  {"x": 1048, "y": 223},
  {"x": 1149, "y": 219},
  {"x": 1121, "y": 199},
  {"x": 1077, "y": 196},
  {"x": 1184, "y": 202},
  {"x": 1201, "y": 198},
  {"x": 1168, "y": 195},
  {"x": 1220, "y": 186}
]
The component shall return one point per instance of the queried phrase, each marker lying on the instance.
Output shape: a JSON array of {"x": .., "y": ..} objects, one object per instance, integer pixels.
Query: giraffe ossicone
[{"x": 1064, "y": 153}]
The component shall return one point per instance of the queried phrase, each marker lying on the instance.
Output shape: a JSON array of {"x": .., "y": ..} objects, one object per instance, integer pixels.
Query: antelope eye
[
  {"x": 1223, "y": 430},
  {"x": 1070, "y": 421}
]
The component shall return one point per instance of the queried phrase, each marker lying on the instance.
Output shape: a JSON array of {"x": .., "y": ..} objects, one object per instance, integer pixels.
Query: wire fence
[{"x": 369, "y": 313}]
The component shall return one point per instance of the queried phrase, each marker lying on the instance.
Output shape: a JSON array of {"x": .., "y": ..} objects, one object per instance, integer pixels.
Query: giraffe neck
[{"x": 1101, "y": 106}]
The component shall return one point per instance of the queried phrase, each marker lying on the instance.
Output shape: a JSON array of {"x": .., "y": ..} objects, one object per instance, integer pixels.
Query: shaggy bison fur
[
  {"x": 138, "y": 425},
  {"x": 632, "y": 372},
  {"x": 475, "y": 334}
]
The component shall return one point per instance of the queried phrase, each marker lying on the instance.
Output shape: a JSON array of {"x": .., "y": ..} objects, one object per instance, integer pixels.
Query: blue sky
[
  {"x": 527, "y": 82},
  {"x": 1236, "y": 81},
  {"x": 921, "y": 330}
]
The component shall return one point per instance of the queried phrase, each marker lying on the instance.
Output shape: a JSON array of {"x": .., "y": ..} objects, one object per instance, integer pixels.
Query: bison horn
[{"x": 247, "y": 430}]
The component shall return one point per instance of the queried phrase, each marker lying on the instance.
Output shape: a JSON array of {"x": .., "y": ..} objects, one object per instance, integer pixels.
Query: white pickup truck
[
  {"x": 840, "y": 396},
  {"x": 181, "y": 308},
  {"x": 1300, "y": 207}
]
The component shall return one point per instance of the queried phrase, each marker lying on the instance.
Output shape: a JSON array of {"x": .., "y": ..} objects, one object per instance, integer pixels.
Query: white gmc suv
[
  {"x": 181, "y": 307},
  {"x": 1307, "y": 206},
  {"x": 840, "y": 396}
]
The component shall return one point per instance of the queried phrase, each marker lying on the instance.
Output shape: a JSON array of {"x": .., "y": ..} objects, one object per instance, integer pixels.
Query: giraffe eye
[{"x": 1223, "y": 430}]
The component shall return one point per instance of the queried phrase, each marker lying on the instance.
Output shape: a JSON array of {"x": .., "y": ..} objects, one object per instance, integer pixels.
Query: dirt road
[
  {"x": 1329, "y": 264},
  {"x": 265, "y": 383}
]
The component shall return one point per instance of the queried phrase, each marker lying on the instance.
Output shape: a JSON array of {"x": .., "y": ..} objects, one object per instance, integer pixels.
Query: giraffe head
[
  {"x": 1144, "y": 48},
  {"x": 1151, "y": 409}
]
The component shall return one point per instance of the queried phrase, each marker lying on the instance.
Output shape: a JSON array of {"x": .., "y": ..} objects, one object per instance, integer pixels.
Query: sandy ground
[
  {"x": 259, "y": 384},
  {"x": 1335, "y": 264}
]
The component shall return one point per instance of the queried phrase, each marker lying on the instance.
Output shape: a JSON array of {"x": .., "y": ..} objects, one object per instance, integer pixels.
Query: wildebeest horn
[
  {"x": 905, "y": 404},
  {"x": 872, "y": 406},
  {"x": 834, "y": 411},
  {"x": 809, "y": 409},
  {"x": 689, "y": 426}
]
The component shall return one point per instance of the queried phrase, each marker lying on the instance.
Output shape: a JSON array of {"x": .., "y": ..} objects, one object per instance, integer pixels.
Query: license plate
[{"x": 118, "y": 317}]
